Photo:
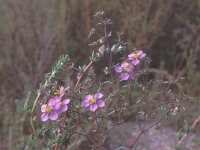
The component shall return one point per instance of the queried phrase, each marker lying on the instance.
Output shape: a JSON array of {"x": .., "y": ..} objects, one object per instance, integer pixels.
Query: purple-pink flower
[
  {"x": 93, "y": 101},
  {"x": 61, "y": 91},
  {"x": 54, "y": 107},
  {"x": 63, "y": 105},
  {"x": 126, "y": 71},
  {"x": 136, "y": 56},
  {"x": 50, "y": 110}
]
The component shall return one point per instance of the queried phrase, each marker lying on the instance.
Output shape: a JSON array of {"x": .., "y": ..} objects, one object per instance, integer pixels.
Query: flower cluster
[
  {"x": 136, "y": 56},
  {"x": 55, "y": 105},
  {"x": 126, "y": 69}
]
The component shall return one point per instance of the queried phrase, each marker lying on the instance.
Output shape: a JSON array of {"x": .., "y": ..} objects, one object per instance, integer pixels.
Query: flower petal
[
  {"x": 85, "y": 103},
  {"x": 66, "y": 101},
  {"x": 61, "y": 88},
  {"x": 61, "y": 95},
  {"x": 88, "y": 97},
  {"x": 63, "y": 108},
  {"x": 124, "y": 76},
  {"x": 93, "y": 107},
  {"x": 43, "y": 108},
  {"x": 100, "y": 103},
  {"x": 124, "y": 65},
  {"x": 54, "y": 102},
  {"x": 139, "y": 52},
  {"x": 132, "y": 75},
  {"x": 53, "y": 116},
  {"x": 44, "y": 117},
  {"x": 118, "y": 69},
  {"x": 98, "y": 95},
  {"x": 135, "y": 62},
  {"x": 131, "y": 56},
  {"x": 143, "y": 55}
]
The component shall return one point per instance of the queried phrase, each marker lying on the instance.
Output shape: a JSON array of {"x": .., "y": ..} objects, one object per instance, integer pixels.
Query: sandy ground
[{"x": 163, "y": 138}]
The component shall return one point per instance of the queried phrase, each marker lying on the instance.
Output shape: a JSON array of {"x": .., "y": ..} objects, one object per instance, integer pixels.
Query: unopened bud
[
  {"x": 102, "y": 40},
  {"x": 113, "y": 48}
]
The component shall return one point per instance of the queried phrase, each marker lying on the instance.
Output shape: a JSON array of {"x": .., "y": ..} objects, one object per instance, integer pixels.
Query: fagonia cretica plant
[
  {"x": 56, "y": 105},
  {"x": 83, "y": 106}
]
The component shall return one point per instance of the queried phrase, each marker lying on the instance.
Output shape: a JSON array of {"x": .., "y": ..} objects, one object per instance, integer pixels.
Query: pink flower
[
  {"x": 136, "y": 56},
  {"x": 126, "y": 71},
  {"x": 61, "y": 91},
  {"x": 54, "y": 107},
  {"x": 93, "y": 102},
  {"x": 50, "y": 110},
  {"x": 63, "y": 105}
]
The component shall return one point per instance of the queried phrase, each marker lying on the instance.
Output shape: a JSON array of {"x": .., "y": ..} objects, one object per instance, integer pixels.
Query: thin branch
[
  {"x": 191, "y": 128},
  {"x": 84, "y": 72}
]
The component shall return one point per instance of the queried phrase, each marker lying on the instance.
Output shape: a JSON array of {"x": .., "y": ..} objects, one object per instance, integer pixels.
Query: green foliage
[{"x": 63, "y": 60}]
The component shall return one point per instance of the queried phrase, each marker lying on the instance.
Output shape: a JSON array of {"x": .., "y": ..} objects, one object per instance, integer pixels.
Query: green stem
[{"x": 32, "y": 110}]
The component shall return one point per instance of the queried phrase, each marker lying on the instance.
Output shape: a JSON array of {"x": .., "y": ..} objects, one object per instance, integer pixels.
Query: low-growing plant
[{"x": 80, "y": 109}]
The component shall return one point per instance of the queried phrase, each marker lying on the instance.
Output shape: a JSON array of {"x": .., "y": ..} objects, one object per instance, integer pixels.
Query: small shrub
[{"x": 81, "y": 109}]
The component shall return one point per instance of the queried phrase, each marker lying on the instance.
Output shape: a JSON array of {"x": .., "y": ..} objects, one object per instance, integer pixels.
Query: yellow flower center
[
  {"x": 49, "y": 109},
  {"x": 136, "y": 56},
  {"x": 59, "y": 92},
  {"x": 127, "y": 69},
  {"x": 93, "y": 100}
]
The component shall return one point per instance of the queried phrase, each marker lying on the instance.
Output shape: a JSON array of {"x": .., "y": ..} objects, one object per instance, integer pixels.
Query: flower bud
[{"x": 102, "y": 40}]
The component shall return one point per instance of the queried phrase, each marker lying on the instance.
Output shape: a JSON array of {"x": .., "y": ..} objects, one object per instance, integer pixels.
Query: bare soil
[{"x": 163, "y": 138}]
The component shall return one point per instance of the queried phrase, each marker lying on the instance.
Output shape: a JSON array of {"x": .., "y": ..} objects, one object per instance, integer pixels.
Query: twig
[
  {"x": 192, "y": 127},
  {"x": 83, "y": 73},
  {"x": 32, "y": 110}
]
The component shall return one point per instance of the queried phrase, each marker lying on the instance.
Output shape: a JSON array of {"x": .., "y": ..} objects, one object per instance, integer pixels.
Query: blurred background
[{"x": 34, "y": 33}]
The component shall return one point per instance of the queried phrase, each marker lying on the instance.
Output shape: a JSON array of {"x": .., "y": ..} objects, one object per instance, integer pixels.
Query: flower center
[
  {"x": 127, "y": 69},
  {"x": 93, "y": 100},
  {"x": 59, "y": 92},
  {"x": 136, "y": 56},
  {"x": 49, "y": 109}
]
